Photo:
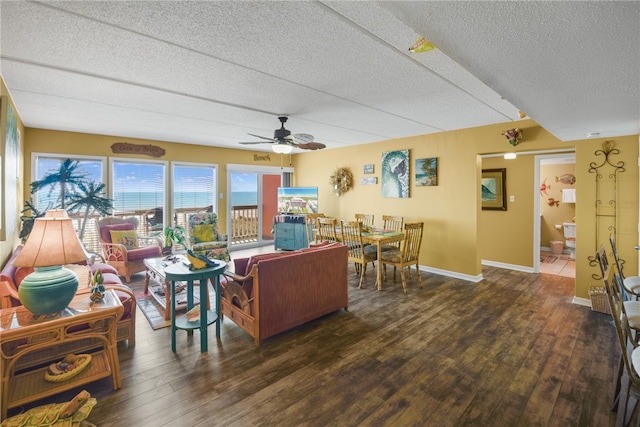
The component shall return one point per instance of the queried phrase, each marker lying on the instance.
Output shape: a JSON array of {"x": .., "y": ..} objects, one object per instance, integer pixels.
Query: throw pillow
[
  {"x": 105, "y": 230},
  {"x": 202, "y": 233},
  {"x": 127, "y": 238}
]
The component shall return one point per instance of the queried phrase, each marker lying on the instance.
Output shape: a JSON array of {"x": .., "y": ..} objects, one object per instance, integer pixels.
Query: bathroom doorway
[{"x": 554, "y": 232}]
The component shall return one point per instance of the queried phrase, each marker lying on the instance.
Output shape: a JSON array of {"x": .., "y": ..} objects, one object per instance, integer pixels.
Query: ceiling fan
[{"x": 284, "y": 142}]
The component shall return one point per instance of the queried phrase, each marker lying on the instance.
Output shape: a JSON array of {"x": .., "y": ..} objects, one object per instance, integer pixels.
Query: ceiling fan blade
[
  {"x": 312, "y": 146},
  {"x": 262, "y": 137},
  {"x": 303, "y": 138},
  {"x": 255, "y": 142}
]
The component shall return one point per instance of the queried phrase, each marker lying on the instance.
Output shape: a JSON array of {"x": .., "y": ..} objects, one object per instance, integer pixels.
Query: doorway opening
[{"x": 555, "y": 207}]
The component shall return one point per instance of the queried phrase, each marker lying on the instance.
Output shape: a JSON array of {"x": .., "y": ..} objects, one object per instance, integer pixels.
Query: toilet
[{"x": 570, "y": 237}]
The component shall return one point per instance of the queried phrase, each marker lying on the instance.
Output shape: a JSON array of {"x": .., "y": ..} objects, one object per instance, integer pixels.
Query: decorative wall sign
[
  {"x": 395, "y": 174},
  {"x": 427, "y": 172},
  {"x": 368, "y": 180},
  {"x": 128, "y": 148},
  {"x": 261, "y": 158},
  {"x": 494, "y": 189}
]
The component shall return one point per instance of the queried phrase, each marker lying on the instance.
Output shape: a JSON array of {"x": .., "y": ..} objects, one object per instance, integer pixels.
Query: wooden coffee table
[{"x": 155, "y": 268}]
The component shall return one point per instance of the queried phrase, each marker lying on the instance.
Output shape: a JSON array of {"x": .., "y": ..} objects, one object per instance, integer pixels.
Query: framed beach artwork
[
  {"x": 366, "y": 180},
  {"x": 368, "y": 169},
  {"x": 395, "y": 174},
  {"x": 426, "y": 172},
  {"x": 494, "y": 189},
  {"x": 10, "y": 190}
]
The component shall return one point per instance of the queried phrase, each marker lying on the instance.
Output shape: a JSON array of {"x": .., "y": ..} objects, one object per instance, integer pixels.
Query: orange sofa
[{"x": 271, "y": 293}]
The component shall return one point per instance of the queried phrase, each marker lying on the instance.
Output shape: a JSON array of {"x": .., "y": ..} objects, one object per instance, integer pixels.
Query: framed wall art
[
  {"x": 368, "y": 180},
  {"x": 395, "y": 174},
  {"x": 494, "y": 189},
  {"x": 426, "y": 172},
  {"x": 11, "y": 158},
  {"x": 368, "y": 169}
]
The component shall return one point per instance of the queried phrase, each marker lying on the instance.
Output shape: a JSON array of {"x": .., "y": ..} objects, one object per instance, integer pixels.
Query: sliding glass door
[{"x": 252, "y": 203}]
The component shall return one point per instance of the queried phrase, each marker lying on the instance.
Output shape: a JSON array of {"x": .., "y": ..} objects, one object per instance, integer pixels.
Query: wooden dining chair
[
  {"x": 627, "y": 393},
  {"x": 365, "y": 219},
  {"x": 631, "y": 284},
  {"x": 395, "y": 223},
  {"x": 326, "y": 229},
  {"x": 311, "y": 224},
  {"x": 408, "y": 255},
  {"x": 351, "y": 232}
]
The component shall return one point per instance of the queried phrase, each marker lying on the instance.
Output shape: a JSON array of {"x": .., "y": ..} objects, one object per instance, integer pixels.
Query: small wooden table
[
  {"x": 28, "y": 341},
  {"x": 180, "y": 272}
]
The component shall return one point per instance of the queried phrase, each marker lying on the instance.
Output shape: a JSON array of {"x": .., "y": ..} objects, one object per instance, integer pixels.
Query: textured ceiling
[{"x": 211, "y": 72}]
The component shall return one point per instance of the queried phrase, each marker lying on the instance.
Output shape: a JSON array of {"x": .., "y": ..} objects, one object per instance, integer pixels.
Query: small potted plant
[
  {"x": 97, "y": 286},
  {"x": 174, "y": 235}
]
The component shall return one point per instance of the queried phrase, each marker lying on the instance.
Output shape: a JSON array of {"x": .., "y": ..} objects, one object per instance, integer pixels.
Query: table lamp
[{"x": 51, "y": 244}]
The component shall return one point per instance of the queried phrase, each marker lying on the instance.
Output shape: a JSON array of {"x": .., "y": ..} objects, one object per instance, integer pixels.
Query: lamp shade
[
  {"x": 56, "y": 213},
  {"x": 282, "y": 148},
  {"x": 51, "y": 287},
  {"x": 52, "y": 241}
]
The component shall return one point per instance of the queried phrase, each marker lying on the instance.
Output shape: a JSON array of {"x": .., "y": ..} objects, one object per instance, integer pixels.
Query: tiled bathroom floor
[{"x": 559, "y": 265}]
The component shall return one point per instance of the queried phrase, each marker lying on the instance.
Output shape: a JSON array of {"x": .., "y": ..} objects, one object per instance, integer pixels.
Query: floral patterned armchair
[{"x": 204, "y": 238}]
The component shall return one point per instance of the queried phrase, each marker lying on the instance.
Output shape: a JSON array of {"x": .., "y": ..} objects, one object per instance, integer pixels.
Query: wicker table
[{"x": 28, "y": 342}]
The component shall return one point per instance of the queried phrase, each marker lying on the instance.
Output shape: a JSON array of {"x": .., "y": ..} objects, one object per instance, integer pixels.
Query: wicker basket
[
  {"x": 599, "y": 299},
  {"x": 83, "y": 362}
]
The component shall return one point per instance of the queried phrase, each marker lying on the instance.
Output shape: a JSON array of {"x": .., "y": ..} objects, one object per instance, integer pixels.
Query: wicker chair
[
  {"x": 204, "y": 238},
  {"x": 126, "y": 255}
]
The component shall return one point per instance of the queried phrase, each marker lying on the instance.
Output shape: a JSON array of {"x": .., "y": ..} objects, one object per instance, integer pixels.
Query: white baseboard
[
  {"x": 515, "y": 267},
  {"x": 582, "y": 301},
  {"x": 453, "y": 274}
]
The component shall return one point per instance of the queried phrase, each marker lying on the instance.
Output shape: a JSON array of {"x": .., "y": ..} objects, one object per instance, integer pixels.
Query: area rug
[
  {"x": 153, "y": 312},
  {"x": 548, "y": 258},
  {"x": 150, "y": 308}
]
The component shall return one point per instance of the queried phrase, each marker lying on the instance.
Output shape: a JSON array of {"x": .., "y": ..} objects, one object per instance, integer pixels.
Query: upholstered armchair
[
  {"x": 122, "y": 248},
  {"x": 204, "y": 238}
]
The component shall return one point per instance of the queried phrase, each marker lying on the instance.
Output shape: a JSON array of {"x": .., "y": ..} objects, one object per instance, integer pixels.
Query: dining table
[{"x": 380, "y": 237}]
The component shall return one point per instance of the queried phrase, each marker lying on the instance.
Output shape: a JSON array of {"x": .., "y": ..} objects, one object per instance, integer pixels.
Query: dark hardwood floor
[{"x": 511, "y": 350}]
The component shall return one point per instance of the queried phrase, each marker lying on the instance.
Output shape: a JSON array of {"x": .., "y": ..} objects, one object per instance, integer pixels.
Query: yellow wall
[
  {"x": 458, "y": 234},
  {"x": 48, "y": 141},
  {"x": 507, "y": 236},
  {"x": 626, "y": 196},
  {"x": 10, "y": 242}
]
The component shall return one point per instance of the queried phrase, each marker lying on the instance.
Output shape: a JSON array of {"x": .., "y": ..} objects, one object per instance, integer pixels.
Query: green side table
[{"x": 179, "y": 272}]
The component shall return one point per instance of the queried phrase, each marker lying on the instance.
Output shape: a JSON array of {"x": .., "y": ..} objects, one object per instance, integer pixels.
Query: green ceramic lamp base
[{"x": 48, "y": 290}]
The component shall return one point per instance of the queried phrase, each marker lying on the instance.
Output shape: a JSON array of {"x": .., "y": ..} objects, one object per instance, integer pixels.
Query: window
[
  {"x": 195, "y": 187},
  {"x": 90, "y": 168},
  {"x": 139, "y": 189},
  {"x": 48, "y": 197}
]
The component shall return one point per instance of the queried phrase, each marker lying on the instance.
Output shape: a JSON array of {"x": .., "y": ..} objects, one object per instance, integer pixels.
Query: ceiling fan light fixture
[{"x": 282, "y": 148}]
